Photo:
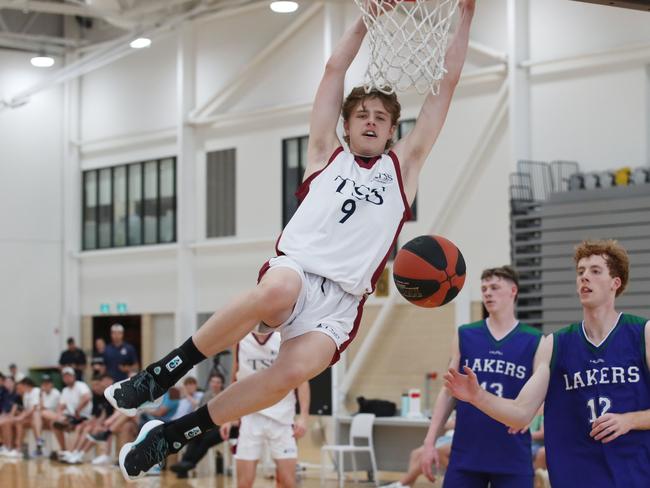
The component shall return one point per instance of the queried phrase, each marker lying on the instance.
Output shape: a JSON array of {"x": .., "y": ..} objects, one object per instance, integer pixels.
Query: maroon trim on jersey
[
  {"x": 398, "y": 171},
  {"x": 265, "y": 267},
  {"x": 366, "y": 163},
  {"x": 353, "y": 332},
  {"x": 237, "y": 359},
  {"x": 303, "y": 189},
  {"x": 265, "y": 338}
]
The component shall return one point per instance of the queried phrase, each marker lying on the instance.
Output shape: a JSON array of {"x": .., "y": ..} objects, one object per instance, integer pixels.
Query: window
[
  {"x": 134, "y": 205},
  {"x": 119, "y": 206},
  {"x": 167, "y": 204},
  {"x": 89, "y": 224},
  {"x": 150, "y": 202},
  {"x": 294, "y": 161},
  {"x": 129, "y": 205},
  {"x": 220, "y": 191}
]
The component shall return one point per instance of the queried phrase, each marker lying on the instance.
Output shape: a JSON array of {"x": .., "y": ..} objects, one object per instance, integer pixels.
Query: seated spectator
[
  {"x": 165, "y": 411},
  {"x": 3, "y": 391},
  {"x": 73, "y": 357},
  {"x": 30, "y": 415},
  {"x": 74, "y": 407},
  {"x": 14, "y": 373},
  {"x": 190, "y": 397},
  {"x": 98, "y": 367},
  {"x": 443, "y": 446},
  {"x": 101, "y": 410},
  {"x": 50, "y": 398},
  {"x": 9, "y": 410},
  {"x": 98, "y": 363},
  {"x": 197, "y": 448}
]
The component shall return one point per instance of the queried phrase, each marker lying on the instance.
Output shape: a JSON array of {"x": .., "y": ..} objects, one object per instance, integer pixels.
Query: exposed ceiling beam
[
  {"x": 29, "y": 46},
  {"x": 115, "y": 50},
  {"x": 44, "y": 40},
  {"x": 149, "y": 8},
  {"x": 31, "y": 18},
  {"x": 56, "y": 8}
]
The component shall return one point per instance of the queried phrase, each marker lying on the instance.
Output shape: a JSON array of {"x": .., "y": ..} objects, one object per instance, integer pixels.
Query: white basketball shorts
[
  {"x": 257, "y": 430},
  {"x": 322, "y": 306}
]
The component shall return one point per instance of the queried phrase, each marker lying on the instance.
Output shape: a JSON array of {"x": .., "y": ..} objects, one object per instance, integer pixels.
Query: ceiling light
[
  {"x": 284, "y": 7},
  {"x": 140, "y": 42},
  {"x": 42, "y": 61}
]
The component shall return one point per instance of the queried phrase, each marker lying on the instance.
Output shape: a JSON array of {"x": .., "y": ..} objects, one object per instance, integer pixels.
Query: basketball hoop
[{"x": 408, "y": 42}]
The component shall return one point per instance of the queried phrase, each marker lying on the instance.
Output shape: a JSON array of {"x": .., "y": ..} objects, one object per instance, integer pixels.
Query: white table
[{"x": 394, "y": 439}]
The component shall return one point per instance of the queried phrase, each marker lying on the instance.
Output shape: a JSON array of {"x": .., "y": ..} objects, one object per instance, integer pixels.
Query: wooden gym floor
[{"x": 43, "y": 473}]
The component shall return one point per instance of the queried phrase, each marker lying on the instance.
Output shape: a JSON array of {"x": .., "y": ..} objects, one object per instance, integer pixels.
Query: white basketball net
[{"x": 408, "y": 42}]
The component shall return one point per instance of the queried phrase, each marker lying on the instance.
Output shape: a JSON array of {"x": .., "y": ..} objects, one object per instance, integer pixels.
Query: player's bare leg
[
  {"x": 286, "y": 472},
  {"x": 246, "y": 473},
  {"x": 271, "y": 302}
]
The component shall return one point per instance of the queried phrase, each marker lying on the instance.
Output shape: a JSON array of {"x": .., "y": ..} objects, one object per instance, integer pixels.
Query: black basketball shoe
[
  {"x": 149, "y": 449},
  {"x": 140, "y": 391}
]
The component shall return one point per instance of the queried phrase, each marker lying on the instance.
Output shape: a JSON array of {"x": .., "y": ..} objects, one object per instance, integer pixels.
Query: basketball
[{"x": 429, "y": 271}]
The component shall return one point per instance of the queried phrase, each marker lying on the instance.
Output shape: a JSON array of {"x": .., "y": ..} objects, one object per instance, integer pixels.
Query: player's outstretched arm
[
  {"x": 610, "y": 426},
  {"x": 516, "y": 413},
  {"x": 329, "y": 97},
  {"x": 415, "y": 147}
]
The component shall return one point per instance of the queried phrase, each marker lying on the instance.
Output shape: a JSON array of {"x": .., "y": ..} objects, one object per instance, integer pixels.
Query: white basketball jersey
[
  {"x": 349, "y": 216},
  {"x": 255, "y": 353}
]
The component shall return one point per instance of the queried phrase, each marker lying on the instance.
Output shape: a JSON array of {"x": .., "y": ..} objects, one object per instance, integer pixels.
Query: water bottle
[
  {"x": 404, "y": 409},
  {"x": 414, "y": 403}
]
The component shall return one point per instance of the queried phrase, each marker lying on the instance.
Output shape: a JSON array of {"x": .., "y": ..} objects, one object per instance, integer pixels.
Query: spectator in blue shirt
[
  {"x": 119, "y": 356},
  {"x": 165, "y": 411}
]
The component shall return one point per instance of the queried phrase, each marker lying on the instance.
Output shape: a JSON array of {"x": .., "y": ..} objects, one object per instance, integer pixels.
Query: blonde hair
[{"x": 615, "y": 255}]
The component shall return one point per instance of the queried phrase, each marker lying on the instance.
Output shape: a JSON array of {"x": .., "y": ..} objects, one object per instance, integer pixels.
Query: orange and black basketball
[{"x": 429, "y": 271}]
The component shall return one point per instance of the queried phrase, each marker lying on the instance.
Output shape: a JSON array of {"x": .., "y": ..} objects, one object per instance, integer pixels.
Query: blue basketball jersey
[
  {"x": 481, "y": 443},
  {"x": 586, "y": 382}
]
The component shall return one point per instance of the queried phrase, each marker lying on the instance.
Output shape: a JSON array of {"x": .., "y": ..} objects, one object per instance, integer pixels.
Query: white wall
[
  {"x": 30, "y": 217},
  {"x": 570, "y": 119},
  {"x": 595, "y": 114}
]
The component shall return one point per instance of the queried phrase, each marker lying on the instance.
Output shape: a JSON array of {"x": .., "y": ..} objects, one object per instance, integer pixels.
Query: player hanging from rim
[
  {"x": 503, "y": 352},
  {"x": 330, "y": 254},
  {"x": 594, "y": 379}
]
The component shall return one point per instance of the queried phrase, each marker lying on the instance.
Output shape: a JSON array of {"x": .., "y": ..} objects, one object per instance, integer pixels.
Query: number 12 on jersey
[{"x": 603, "y": 402}]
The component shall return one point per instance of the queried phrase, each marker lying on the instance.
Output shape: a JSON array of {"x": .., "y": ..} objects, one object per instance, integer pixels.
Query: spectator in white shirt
[
  {"x": 31, "y": 414},
  {"x": 74, "y": 406},
  {"x": 14, "y": 373}
]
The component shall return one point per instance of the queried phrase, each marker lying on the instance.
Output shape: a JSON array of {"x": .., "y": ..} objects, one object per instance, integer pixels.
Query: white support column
[
  {"x": 518, "y": 79},
  {"x": 185, "y": 317},
  {"x": 333, "y": 26},
  {"x": 647, "y": 114},
  {"x": 71, "y": 182}
]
